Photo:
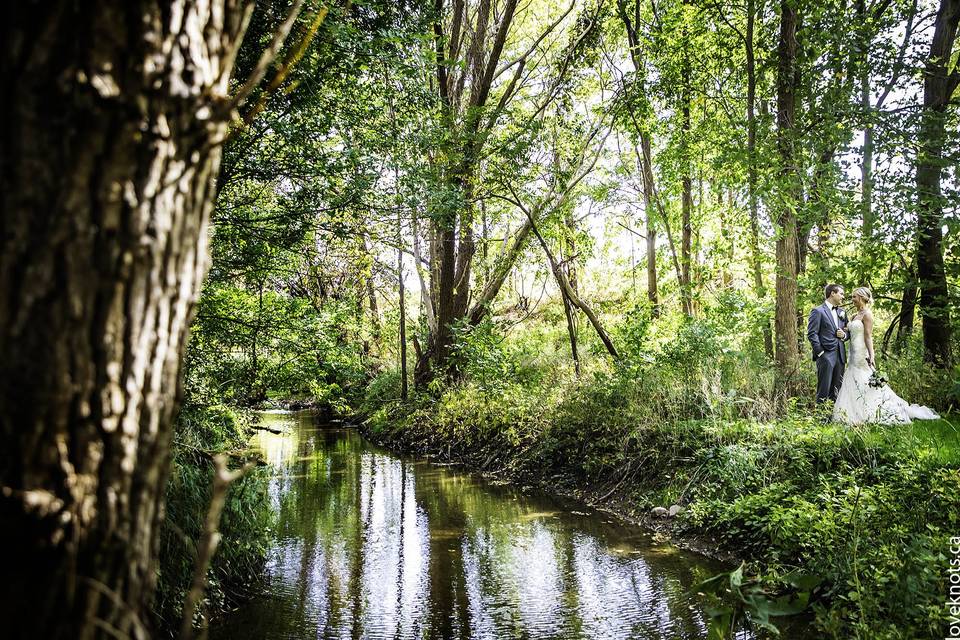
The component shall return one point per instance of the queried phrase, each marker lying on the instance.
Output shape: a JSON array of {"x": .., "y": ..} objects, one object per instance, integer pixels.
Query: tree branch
[{"x": 268, "y": 56}]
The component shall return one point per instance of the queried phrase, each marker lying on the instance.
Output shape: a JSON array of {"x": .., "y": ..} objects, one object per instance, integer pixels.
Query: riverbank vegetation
[{"x": 245, "y": 526}]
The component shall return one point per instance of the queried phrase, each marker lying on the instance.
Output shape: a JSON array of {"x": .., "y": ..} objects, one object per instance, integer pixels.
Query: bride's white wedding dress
[{"x": 858, "y": 402}]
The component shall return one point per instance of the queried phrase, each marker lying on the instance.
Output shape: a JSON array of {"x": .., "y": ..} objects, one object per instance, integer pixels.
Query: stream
[{"x": 368, "y": 544}]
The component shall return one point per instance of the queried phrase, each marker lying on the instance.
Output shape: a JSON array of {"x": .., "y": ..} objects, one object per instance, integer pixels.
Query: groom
[{"x": 827, "y": 331}]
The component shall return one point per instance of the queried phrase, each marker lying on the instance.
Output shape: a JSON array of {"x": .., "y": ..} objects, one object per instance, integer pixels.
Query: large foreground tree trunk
[
  {"x": 938, "y": 87},
  {"x": 787, "y": 345},
  {"x": 109, "y": 142}
]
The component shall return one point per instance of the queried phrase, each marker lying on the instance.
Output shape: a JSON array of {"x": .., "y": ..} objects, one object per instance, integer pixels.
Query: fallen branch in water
[
  {"x": 257, "y": 427},
  {"x": 208, "y": 454}
]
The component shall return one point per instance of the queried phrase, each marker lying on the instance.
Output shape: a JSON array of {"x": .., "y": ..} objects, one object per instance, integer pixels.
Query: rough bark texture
[
  {"x": 938, "y": 87},
  {"x": 108, "y": 144},
  {"x": 787, "y": 345}
]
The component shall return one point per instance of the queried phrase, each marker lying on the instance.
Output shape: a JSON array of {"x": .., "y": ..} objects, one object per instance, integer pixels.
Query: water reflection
[{"x": 372, "y": 546}]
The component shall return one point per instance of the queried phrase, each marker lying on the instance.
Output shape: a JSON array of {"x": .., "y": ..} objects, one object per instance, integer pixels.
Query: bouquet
[{"x": 877, "y": 379}]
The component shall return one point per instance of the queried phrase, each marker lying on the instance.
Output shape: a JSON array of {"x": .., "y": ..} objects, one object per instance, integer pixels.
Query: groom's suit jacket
[{"x": 822, "y": 331}]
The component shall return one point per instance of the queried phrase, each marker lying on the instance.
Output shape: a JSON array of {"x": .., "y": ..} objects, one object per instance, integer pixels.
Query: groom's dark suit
[{"x": 829, "y": 352}]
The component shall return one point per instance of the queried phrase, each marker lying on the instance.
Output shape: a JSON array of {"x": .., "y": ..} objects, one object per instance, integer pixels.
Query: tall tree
[
  {"x": 112, "y": 122},
  {"x": 474, "y": 89},
  {"x": 940, "y": 80},
  {"x": 756, "y": 260},
  {"x": 686, "y": 197},
  {"x": 644, "y": 153},
  {"x": 788, "y": 198}
]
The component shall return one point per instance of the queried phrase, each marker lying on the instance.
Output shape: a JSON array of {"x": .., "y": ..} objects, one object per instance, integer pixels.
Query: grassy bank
[
  {"x": 245, "y": 524},
  {"x": 867, "y": 511}
]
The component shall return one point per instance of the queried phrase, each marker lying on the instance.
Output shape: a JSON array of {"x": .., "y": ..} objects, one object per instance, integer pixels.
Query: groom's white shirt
[{"x": 833, "y": 314}]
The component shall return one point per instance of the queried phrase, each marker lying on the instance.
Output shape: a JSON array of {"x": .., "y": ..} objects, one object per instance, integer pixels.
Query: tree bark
[
  {"x": 571, "y": 296},
  {"x": 756, "y": 260},
  {"x": 109, "y": 144},
  {"x": 645, "y": 155},
  {"x": 938, "y": 88},
  {"x": 908, "y": 308},
  {"x": 686, "y": 238},
  {"x": 787, "y": 344}
]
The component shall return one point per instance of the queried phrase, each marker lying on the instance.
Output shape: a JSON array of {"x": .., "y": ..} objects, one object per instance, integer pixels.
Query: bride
[{"x": 861, "y": 399}]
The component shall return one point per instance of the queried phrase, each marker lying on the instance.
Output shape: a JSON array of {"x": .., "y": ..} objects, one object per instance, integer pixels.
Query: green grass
[
  {"x": 937, "y": 439},
  {"x": 244, "y": 526}
]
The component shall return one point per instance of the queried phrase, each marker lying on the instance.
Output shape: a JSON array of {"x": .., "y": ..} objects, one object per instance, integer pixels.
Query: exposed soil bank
[{"x": 510, "y": 465}]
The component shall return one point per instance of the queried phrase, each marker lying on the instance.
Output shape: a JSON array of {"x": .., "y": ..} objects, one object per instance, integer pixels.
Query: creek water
[{"x": 368, "y": 544}]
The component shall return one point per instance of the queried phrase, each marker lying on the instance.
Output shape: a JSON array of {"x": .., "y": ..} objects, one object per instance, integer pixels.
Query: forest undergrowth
[
  {"x": 864, "y": 513},
  {"x": 245, "y": 525}
]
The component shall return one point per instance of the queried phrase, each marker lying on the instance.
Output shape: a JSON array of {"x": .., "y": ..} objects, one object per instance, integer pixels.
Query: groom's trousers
[{"x": 829, "y": 375}]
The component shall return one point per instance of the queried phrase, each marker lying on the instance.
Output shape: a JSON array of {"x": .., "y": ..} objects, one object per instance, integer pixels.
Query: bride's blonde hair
[{"x": 864, "y": 293}]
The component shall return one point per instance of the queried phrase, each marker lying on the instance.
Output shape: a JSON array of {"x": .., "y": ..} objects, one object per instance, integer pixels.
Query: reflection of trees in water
[{"x": 373, "y": 546}]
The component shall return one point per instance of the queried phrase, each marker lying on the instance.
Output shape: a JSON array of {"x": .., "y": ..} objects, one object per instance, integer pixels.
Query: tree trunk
[
  {"x": 644, "y": 157},
  {"x": 686, "y": 239},
  {"x": 866, "y": 165},
  {"x": 908, "y": 308},
  {"x": 787, "y": 345},
  {"x": 938, "y": 87},
  {"x": 756, "y": 260},
  {"x": 652, "y": 294},
  {"x": 648, "y": 208},
  {"x": 111, "y": 126},
  {"x": 452, "y": 261},
  {"x": 569, "y": 310}
]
